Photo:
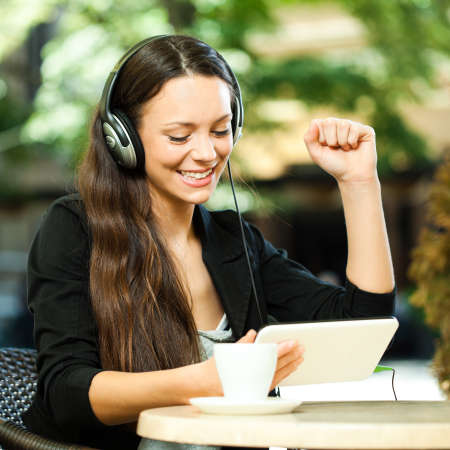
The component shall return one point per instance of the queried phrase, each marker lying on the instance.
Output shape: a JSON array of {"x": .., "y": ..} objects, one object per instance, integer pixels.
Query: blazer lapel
[{"x": 224, "y": 257}]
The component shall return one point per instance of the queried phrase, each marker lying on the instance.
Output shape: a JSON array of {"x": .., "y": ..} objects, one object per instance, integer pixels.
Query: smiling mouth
[{"x": 196, "y": 175}]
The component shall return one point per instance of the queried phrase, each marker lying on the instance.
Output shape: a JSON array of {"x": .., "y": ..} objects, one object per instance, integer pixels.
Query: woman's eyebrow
[{"x": 190, "y": 123}]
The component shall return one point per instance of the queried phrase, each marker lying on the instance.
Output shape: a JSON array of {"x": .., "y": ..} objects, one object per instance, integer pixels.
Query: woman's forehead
[{"x": 184, "y": 98}]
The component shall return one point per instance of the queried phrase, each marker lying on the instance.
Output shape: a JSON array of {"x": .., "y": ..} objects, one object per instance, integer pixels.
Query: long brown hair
[{"x": 139, "y": 302}]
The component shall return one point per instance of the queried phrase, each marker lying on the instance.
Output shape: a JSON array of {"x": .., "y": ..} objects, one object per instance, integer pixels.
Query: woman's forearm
[
  {"x": 118, "y": 397},
  {"x": 369, "y": 262}
]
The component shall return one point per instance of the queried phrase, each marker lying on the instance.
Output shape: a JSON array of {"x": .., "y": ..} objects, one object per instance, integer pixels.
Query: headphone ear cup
[{"x": 134, "y": 137}]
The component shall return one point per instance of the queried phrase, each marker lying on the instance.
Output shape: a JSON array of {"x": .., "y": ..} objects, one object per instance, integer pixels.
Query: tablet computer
[{"x": 335, "y": 350}]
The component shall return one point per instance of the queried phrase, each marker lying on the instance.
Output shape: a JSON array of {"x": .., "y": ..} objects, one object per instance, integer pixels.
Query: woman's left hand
[{"x": 343, "y": 148}]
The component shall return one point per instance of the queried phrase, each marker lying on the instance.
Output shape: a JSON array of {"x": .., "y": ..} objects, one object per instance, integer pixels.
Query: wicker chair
[{"x": 18, "y": 381}]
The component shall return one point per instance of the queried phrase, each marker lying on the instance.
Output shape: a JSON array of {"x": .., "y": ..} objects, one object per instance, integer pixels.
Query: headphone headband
[{"x": 121, "y": 137}]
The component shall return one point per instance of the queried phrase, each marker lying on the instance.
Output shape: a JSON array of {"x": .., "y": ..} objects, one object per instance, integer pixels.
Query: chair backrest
[{"x": 18, "y": 382}]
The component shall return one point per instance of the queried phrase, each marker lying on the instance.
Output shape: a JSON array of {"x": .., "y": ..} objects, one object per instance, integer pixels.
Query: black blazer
[{"x": 65, "y": 331}]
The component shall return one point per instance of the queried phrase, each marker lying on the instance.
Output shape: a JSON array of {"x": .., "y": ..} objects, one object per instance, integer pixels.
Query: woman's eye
[
  {"x": 222, "y": 133},
  {"x": 184, "y": 138},
  {"x": 178, "y": 139}
]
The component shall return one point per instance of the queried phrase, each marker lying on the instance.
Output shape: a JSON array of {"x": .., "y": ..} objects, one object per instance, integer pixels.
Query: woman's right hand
[{"x": 290, "y": 356}]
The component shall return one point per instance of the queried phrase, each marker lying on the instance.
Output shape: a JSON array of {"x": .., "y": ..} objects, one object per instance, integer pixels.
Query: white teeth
[{"x": 197, "y": 175}]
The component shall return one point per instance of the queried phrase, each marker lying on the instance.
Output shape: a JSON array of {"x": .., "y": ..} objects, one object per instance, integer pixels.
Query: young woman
[{"x": 131, "y": 279}]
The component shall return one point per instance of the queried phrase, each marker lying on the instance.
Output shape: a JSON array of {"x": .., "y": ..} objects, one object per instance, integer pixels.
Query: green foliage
[
  {"x": 405, "y": 32},
  {"x": 13, "y": 114},
  {"x": 430, "y": 269},
  {"x": 404, "y": 37},
  {"x": 17, "y": 17}
]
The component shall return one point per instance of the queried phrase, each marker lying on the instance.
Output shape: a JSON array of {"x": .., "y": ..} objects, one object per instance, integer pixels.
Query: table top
[{"x": 332, "y": 425}]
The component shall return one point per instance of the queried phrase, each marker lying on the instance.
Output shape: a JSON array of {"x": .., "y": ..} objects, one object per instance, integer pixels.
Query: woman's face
[{"x": 186, "y": 133}]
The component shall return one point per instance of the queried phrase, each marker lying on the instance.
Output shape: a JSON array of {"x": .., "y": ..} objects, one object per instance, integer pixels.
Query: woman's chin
[{"x": 200, "y": 197}]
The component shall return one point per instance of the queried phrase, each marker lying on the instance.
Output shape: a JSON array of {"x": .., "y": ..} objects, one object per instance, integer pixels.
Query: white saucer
[{"x": 222, "y": 405}]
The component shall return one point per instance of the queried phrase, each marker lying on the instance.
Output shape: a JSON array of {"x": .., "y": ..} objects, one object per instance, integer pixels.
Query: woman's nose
[{"x": 203, "y": 149}]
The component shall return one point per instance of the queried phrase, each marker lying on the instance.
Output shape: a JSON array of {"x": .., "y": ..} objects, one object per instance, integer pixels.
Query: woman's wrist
[
  {"x": 362, "y": 185},
  {"x": 357, "y": 195},
  {"x": 206, "y": 379}
]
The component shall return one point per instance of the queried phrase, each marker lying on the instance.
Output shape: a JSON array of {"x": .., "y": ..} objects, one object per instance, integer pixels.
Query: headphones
[{"x": 121, "y": 138}]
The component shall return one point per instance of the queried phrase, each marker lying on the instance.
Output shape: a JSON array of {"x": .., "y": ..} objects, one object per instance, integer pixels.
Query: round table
[{"x": 332, "y": 425}]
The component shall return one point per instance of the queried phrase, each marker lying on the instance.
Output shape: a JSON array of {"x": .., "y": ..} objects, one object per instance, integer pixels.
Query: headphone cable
[
  {"x": 244, "y": 243},
  {"x": 382, "y": 369}
]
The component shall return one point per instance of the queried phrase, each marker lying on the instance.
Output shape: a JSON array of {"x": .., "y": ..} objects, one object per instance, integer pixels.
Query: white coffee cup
[{"x": 246, "y": 370}]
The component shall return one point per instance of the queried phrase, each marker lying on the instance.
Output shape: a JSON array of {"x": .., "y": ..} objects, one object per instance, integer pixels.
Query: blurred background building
[{"x": 379, "y": 62}]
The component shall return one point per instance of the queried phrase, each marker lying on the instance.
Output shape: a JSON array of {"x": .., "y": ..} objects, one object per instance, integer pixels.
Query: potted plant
[{"x": 430, "y": 270}]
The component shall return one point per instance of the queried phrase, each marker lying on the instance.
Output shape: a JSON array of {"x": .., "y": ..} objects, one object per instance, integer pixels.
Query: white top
[{"x": 223, "y": 324}]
